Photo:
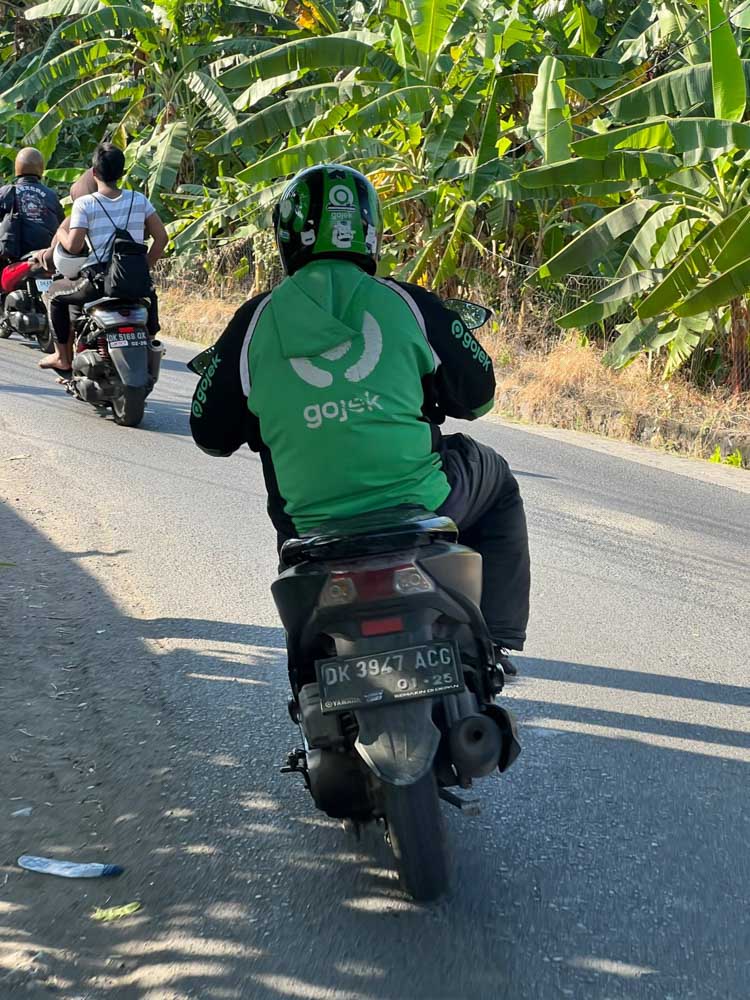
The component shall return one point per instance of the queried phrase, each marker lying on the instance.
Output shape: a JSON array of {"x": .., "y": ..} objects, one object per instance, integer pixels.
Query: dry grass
[
  {"x": 189, "y": 316},
  {"x": 570, "y": 387}
]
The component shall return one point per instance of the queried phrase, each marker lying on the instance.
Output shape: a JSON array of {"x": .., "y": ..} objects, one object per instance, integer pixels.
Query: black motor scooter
[
  {"x": 393, "y": 675},
  {"x": 115, "y": 362}
]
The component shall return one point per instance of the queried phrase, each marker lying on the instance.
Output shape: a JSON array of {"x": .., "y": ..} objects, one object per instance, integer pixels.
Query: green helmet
[{"x": 330, "y": 211}]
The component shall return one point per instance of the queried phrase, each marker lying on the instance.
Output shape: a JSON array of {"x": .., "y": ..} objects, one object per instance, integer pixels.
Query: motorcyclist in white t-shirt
[{"x": 74, "y": 237}]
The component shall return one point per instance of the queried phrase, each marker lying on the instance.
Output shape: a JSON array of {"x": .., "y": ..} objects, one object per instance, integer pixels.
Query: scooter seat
[
  {"x": 110, "y": 303},
  {"x": 369, "y": 535}
]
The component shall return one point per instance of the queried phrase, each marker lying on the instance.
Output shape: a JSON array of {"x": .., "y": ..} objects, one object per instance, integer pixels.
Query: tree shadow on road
[{"x": 646, "y": 682}]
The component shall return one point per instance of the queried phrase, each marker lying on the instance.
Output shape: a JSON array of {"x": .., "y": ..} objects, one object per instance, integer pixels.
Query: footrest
[{"x": 470, "y": 807}]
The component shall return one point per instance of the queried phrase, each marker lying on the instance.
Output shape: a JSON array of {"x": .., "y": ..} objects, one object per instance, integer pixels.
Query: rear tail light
[
  {"x": 411, "y": 580},
  {"x": 338, "y": 590},
  {"x": 380, "y": 584},
  {"x": 126, "y": 329}
]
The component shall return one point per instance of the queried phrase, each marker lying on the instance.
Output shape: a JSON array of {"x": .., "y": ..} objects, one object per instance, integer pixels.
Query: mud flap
[
  {"x": 398, "y": 743},
  {"x": 131, "y": 364}
]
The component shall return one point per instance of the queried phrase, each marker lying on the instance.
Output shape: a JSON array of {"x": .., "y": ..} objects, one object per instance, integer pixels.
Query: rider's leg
[
  {"x": 58, "y": 298},
  {"x": 486, "y": 503}
]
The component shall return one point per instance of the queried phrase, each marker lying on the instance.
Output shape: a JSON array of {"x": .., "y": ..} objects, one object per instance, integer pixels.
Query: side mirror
[
  {"x": 472, "y": 314},
  {"x": 200, "y": 362}
]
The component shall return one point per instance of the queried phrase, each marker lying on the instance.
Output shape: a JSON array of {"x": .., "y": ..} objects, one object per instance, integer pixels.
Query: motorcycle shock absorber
[{"x": 101, "y": 347}]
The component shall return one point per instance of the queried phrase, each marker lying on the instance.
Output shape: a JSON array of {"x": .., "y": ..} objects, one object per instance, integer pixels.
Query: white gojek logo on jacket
[{"x": 373, "y": 348}]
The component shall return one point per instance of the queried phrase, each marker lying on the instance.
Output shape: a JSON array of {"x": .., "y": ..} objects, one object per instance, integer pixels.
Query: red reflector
[
  {"x": 126, "y": 329},
  {"x": 382, "y": 626}
]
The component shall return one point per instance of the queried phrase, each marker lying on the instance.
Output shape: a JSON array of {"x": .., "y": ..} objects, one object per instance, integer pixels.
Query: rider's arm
[
  {"x": 159, "y": 237},
  {"x": 73, "y": 237},
  {"x": 6, "y": 199},
  {"x": 86, "y": 184},
  {"x": 220, "y": 421},
  {"x": 463, "y": 385}
]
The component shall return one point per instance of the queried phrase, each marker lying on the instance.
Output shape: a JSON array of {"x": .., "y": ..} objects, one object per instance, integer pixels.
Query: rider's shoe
[{"x": 502, "y": 658}]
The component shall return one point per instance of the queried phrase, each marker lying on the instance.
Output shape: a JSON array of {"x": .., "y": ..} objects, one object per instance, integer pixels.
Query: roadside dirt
[{"x": 84, "y": 746}]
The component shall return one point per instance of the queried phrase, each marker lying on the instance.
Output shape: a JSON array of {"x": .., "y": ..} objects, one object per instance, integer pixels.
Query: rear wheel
[
  {"x": 129, "y": 406},
  {"x": 415, "y": 829}
]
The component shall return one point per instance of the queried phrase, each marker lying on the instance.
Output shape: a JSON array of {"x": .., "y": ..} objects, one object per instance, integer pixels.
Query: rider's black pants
[
  {"x": 486, "y": 504},
  {"x": 60, "y": 296}
]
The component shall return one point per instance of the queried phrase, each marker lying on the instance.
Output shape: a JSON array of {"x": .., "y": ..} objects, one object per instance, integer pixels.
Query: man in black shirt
[{"x": 38, "y": 207}]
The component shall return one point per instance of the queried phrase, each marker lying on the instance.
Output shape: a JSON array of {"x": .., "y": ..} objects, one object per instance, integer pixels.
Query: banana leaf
[
  {"x": 549, "y": 119},
  {"x": 322, "y": 52},
  {"x": 75, "y": 100},
  {"x": 214, "y": 98},
  {"x": 727, "y": 79},
  {"x": 106, "y": 19},
  {"x": 621, "y": 165},
  {"x": 700, "y": 261},
  {"x": 733, "y": 283},
  {"x": 599, "y": 239}
]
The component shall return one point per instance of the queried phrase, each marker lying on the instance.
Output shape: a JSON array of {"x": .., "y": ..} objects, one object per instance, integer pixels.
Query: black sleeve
[
  {"x": 220, "y": 421},
  {"x": 463, "y": 385}
]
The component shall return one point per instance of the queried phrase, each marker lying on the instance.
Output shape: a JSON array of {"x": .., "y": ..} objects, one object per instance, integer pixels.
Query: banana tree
[
  {"x": 675, "y": 247},
  {"x": 409, "y": 97},
  {"x": 142, "y": 72}
]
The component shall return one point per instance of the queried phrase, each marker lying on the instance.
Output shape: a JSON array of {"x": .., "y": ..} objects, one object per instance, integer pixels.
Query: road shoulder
[
  {"x": 85, "y": 750},
  {"x": 693, "y": 468}
]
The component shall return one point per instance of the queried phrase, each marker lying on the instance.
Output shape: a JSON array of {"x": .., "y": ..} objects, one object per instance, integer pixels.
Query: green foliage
[{"x": 734, "y": 458}]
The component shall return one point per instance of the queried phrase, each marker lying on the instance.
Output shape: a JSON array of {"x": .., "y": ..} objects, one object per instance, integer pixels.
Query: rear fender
[
  {"x": 131, "y": 364},
  {"x": 398, "y": 742}
]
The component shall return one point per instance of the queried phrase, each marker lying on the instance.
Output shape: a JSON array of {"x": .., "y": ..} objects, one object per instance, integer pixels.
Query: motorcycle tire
[
  {"x": 417, "y": 836},
  {"x": 46, "y": 341},
  {"x": 129, "y": 406},
  {"x": 5, "y": 330}
]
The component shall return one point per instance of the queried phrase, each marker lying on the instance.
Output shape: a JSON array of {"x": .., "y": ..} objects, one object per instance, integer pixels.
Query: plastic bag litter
[{"x": 68, "y": 869}]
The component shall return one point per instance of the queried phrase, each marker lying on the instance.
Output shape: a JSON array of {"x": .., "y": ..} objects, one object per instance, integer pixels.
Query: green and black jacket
[{"x": 340, "y": 380}]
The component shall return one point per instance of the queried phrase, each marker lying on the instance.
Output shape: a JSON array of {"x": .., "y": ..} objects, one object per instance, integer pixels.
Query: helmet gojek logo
[
  {"x": 341, "y": 198},
  {"x": 341, "y": 206}
]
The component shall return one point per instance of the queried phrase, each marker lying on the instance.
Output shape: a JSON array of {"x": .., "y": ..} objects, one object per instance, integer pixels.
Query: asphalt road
[{"x": 613, "y": 861}]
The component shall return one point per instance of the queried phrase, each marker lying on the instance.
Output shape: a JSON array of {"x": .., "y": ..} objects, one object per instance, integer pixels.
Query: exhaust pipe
[
  {"x": 156, "y": 351},
  {"x": 475, "y": 745}
]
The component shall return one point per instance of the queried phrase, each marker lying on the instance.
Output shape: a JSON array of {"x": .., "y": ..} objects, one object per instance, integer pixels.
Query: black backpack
[
  {"x": 10, "y": 231},
  {"x": 126, "y": 274}
]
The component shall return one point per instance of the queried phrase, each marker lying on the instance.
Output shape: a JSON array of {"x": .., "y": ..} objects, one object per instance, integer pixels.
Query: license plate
[
  {"x": 42, "y": 284},
  {"x": 136, "y": 339},
  {"x": 382, "y": 678}
]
